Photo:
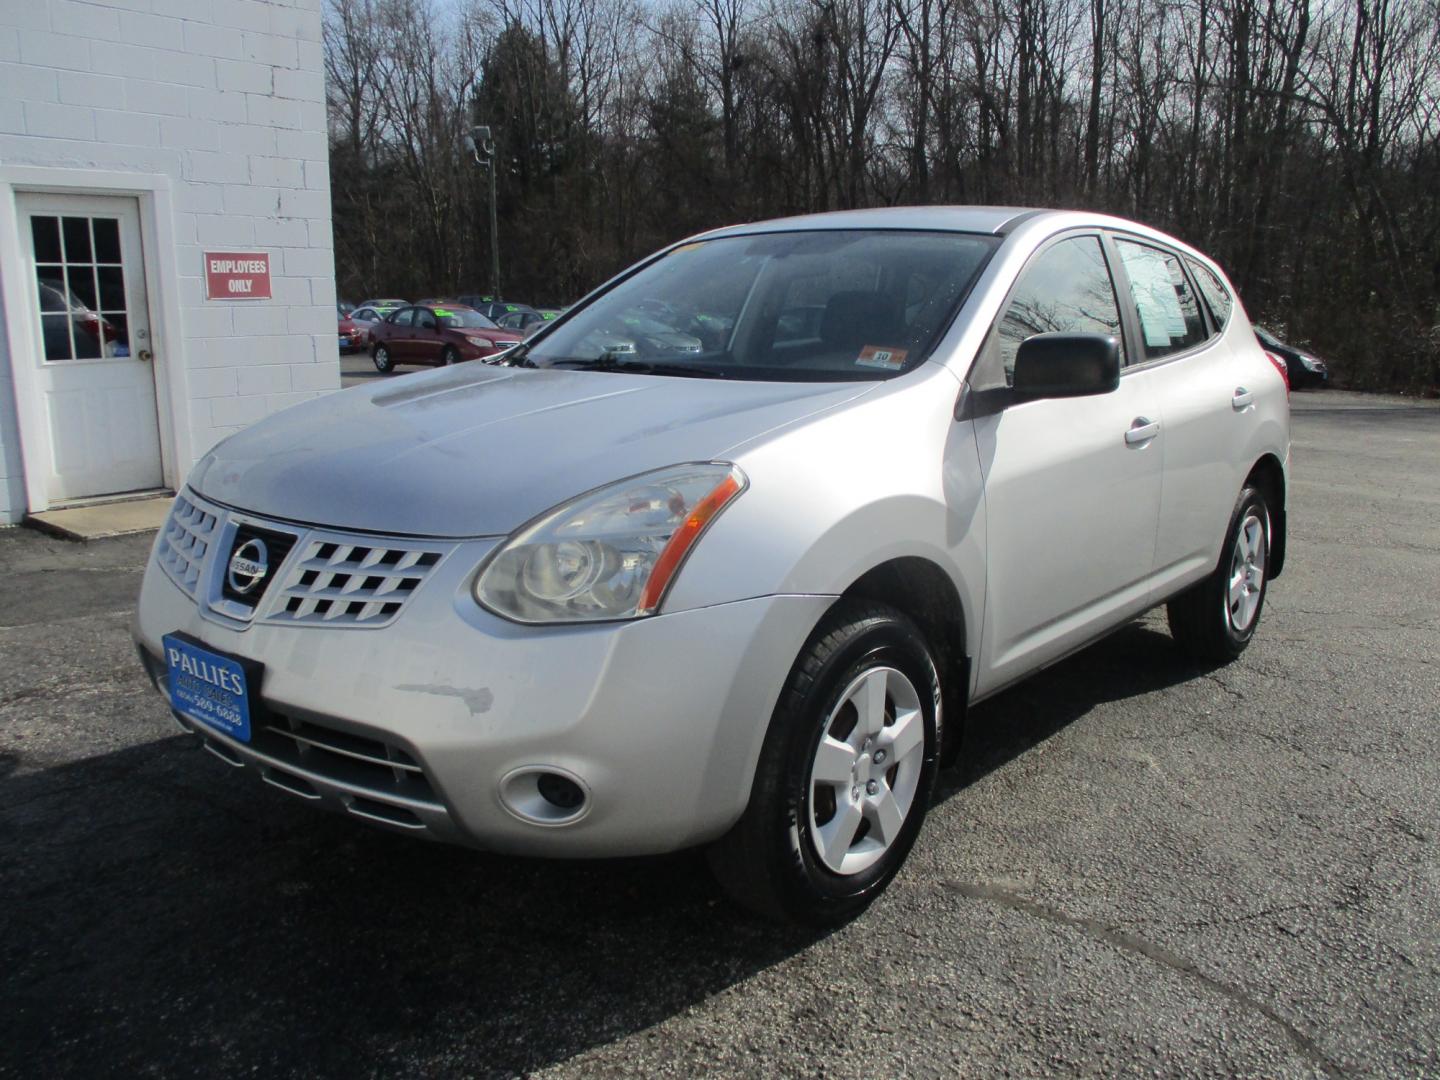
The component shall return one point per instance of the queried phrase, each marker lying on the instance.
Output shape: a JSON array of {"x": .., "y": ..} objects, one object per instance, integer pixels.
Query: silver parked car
[{"x": 592, "y": 602}]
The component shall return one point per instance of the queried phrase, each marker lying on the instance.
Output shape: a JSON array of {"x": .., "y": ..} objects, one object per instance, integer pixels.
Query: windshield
[
  {"x": 831, "y": 305},
  {"x": 455, "y": 317}
]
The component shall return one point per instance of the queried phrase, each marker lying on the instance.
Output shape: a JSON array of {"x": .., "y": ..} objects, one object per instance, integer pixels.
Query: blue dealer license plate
[{"x": 207, "y": 687}]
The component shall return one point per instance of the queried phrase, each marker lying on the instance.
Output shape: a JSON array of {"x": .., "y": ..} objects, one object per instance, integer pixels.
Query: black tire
[
  {"x": 769, "y": 861},
  {"x": 383, "y": 363},
  {"x": 449, "y": 357},
  {"x": 1203, "y": 619}
]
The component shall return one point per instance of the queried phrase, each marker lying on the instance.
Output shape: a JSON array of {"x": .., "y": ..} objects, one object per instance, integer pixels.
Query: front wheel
[
  {"x": 450, "y": 357},
  {"x": 1216, "y": 619},
  {"x": 845, "y": 775},
  {"x": 383, "y": 363}
]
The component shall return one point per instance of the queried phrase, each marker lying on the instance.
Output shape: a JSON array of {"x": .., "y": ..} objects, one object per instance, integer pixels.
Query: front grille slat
[
  {"x": 362, "y": 764},
  {"x": 335, "y": 746},
  {"x": 184, "y": 542},
  {"x": 335, "y": 583}
]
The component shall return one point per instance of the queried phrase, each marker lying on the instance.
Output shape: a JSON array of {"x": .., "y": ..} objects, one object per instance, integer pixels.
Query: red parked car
[
  {"x": 435, "y": 335},
  {"x": 353, "y": 335}
]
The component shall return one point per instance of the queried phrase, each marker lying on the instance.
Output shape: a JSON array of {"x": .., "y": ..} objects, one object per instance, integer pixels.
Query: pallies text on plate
[{"x": 210, "y": 673}]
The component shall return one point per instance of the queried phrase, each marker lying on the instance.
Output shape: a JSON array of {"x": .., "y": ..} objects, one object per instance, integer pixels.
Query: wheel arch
[
  {"x": 923, "y": 591},
  {"x": 1268, "y": 475}
]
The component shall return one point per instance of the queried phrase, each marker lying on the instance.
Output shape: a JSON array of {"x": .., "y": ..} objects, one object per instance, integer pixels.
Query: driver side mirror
[{"x": 1067, "y": 365}]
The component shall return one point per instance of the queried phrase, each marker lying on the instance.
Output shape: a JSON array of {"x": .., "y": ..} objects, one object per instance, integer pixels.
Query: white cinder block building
[{"x": 166, "y": 262}]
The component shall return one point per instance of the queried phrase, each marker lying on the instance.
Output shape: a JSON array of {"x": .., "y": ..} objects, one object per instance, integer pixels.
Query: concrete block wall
[{"x": 227, "y": 98}]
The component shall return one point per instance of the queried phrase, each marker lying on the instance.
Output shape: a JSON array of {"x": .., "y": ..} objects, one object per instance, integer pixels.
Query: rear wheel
[
  {"x": 1216, "y": 619},
  {"x": 844, "y": 779},
  {"x": 383, "y": 363}
]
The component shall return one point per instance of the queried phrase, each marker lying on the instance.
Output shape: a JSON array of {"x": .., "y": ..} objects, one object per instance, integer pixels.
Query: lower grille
[{"x": 365, "y": 765}]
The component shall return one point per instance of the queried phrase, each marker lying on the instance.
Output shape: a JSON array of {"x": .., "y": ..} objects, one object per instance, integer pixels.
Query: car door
[
  {"x": 1072, "y": 485},
  {"x": 1202, "y": 407},
  {"x": 429, "y": 337},
  {"x": 400, "y": 335}
]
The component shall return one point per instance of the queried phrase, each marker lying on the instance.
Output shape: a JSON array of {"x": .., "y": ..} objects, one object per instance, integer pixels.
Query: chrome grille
[
  {"x": 336, "y": 582},
  {"x": 361, "y": 764},
  {"x": 187, "y": 536}
]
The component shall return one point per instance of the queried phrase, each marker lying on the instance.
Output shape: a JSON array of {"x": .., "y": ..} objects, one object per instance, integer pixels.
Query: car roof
[{"x": 995, "y": 220}]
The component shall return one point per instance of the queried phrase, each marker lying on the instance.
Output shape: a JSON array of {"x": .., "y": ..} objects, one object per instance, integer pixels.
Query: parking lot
[{"x": 1140, "y": 866}]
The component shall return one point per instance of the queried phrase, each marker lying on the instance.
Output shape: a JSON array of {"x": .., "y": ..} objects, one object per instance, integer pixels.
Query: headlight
[
  {"x": 481, "y": 342},
  {"x": 611, "y": 553}
]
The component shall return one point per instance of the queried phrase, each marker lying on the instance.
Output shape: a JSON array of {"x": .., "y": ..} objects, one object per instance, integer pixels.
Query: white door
[
  {"x": 1072, "y": 485},
  {"x": 93, "y": 358}
]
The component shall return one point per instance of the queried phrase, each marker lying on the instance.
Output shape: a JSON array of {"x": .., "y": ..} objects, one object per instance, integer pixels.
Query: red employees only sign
[{"x": 237, "y": 275}]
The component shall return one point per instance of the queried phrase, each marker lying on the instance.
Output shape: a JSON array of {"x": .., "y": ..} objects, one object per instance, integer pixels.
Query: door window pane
[
  {"x": 56, "y": 332},
  {"x": 1169, "y": 313},
  {"x": 1066, "y": 289},
  {"x": 112, "y": 288},
  {"x": 47, "y": 239},
  {"x": 107, "y": 239},
  {"x": 81, "y": 280},
  {"x": 77, "y": 239},
  {"x": 404, "y": 317}
]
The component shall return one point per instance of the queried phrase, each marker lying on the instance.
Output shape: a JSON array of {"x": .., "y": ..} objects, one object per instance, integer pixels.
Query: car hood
[{"x": 477, "y": 450}]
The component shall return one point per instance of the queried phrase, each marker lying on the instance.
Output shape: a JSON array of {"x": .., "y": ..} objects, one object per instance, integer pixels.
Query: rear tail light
[{"x": 1281, "y": 368}]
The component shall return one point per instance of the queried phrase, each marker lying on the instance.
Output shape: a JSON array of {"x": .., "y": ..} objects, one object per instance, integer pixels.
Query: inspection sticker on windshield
[{"x": 876, "y": 357}]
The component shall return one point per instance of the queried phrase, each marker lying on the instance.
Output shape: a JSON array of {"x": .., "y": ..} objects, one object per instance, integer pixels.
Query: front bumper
[{"x": 416, "y": 724}]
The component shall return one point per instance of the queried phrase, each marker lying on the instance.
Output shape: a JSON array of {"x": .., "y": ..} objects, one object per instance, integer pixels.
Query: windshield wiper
[
  {"x": 511, "y": 357},
  {"x": 611, "y": 362}
]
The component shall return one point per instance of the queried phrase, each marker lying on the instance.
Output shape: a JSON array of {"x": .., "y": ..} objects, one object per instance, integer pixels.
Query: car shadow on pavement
[
  {"x": 160, "y": 914},
  {"x": 1135, "y": 660}
]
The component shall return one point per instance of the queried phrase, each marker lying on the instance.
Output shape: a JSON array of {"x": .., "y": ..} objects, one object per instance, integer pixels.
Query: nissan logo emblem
[{"x": 248, "y": 566}]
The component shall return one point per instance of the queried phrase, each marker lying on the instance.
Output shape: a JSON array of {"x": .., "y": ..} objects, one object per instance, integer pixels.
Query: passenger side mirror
[{"x": 1067, "y": 365}]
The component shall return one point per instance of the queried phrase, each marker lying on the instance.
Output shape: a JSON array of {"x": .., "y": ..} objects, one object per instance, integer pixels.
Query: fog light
[
  {"x": 544, "y": 795},
  {"x": 559, "y": 790}
]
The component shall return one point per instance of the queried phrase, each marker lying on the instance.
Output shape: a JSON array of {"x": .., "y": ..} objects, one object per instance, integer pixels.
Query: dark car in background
[
  {"x": 491, "y": 308},
  {"x": 527, "y": 321},
  {"x": 435, "y": 335},
  {"x": 1303, "y": 369}
]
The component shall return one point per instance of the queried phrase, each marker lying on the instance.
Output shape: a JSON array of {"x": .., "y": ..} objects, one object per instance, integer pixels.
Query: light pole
[{"x": 482, "y": 146}]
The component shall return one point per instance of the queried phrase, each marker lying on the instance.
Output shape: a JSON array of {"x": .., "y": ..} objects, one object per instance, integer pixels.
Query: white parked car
[{"x": 588, "y": 602}]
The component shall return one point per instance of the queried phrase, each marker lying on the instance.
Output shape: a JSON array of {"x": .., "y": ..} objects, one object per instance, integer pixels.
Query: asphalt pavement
[{"x": 1140, "y": 867}]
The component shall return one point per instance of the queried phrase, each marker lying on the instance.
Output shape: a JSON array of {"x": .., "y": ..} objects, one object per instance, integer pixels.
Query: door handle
[
  {"x": 145, "y": 356},
  {"x": 1142, "y": 430},
  {"x": 1241, "y": 399}
]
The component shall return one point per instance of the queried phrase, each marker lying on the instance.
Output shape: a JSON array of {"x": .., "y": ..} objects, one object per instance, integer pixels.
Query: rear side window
[
  {"x": 1065, "y": 289},
  {"x": 1169, "y": 312},
  {"x": 1214, "y": 291}
]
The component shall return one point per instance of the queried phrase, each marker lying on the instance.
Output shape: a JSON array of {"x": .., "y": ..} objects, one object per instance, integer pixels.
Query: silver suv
[{"x": 588, "y": 601}]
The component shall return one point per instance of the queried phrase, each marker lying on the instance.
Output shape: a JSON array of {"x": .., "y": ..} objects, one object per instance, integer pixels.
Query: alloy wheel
[
  {"x": 866, "y": 770},
  {"x": 1247, "y": 573}
]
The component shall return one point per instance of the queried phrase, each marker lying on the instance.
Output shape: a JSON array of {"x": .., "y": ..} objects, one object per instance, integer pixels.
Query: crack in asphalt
[{"x": 1138, "y": 946}]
